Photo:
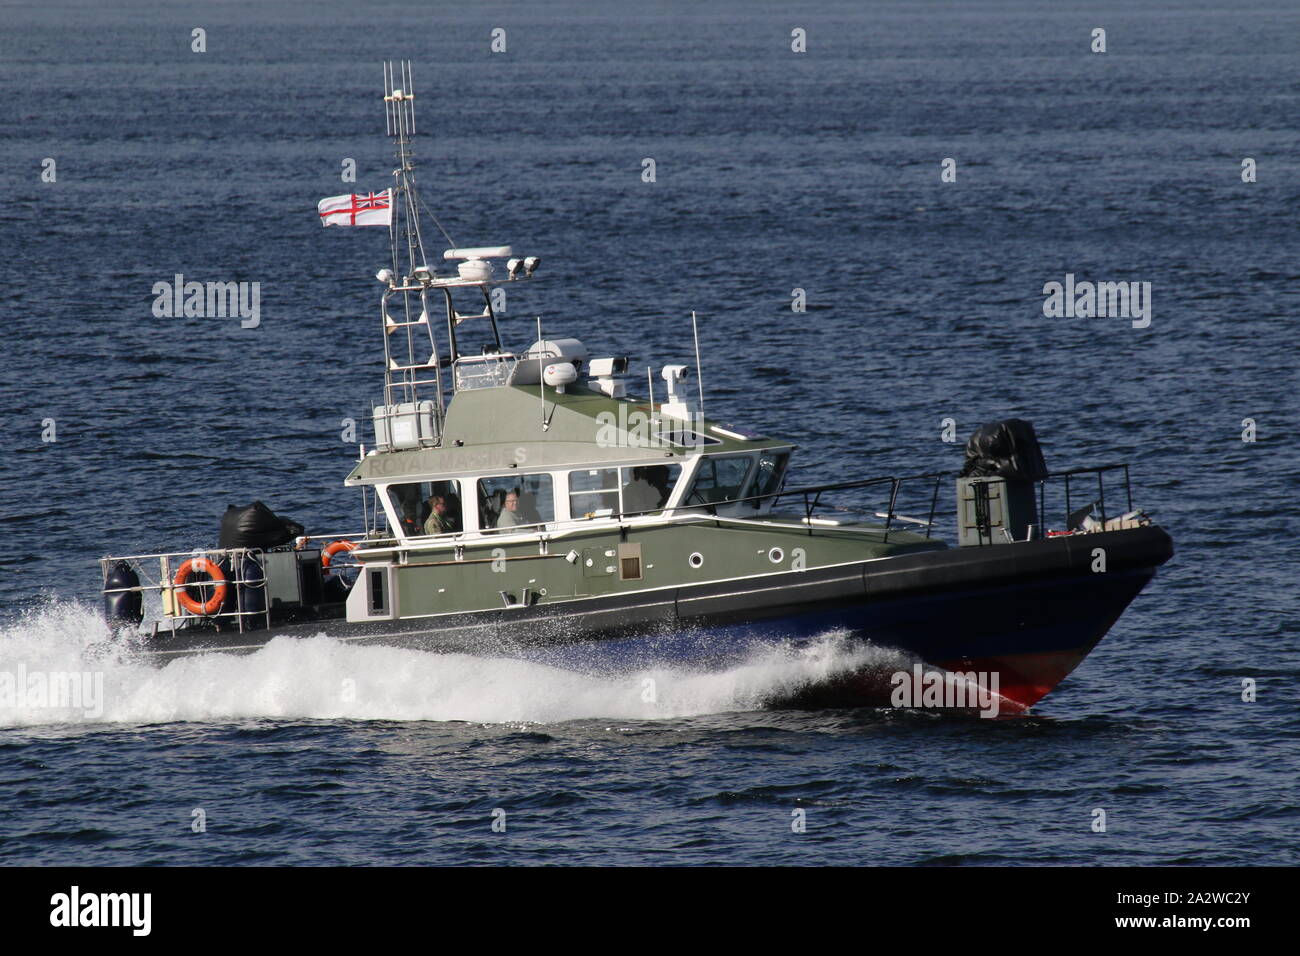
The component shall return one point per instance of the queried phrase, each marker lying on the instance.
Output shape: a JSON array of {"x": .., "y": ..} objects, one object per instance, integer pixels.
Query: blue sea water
[{"x": 774, "y": 171}]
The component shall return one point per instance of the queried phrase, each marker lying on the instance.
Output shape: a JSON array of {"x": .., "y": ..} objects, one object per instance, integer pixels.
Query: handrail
[
  {"x": 812, "y": 497},
  {"x": 1099, "y": 471},
  {"x": 156, "y": 572},
  {"x": 684, "y": 509},
  {"x": 165, "y": 581},
  {"x": 1069, "y": 478},
  {"x": 203, "y": 552}
]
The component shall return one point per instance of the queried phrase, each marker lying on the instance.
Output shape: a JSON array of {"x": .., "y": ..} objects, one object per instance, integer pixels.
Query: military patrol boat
[{"x": 523, "y": 503}]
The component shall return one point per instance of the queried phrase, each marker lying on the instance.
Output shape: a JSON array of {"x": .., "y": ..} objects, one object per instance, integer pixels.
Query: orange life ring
[
  {"x": 218, "y": 578},
  {"x": 333, "y": 548}
]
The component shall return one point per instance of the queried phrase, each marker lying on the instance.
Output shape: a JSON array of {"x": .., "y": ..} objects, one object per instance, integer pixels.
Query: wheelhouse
[{"x": 524, "y": 501}]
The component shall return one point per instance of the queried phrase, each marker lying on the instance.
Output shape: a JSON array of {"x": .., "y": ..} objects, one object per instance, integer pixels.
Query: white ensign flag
[{"x": 357, "y": 209}]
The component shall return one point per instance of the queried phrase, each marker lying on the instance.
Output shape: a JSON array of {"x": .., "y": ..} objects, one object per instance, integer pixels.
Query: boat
[{"x": 527, "y": 503}]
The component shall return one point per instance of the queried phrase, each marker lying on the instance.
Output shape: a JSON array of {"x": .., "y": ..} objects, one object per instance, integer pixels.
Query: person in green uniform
[{"x": 437, "y": 522}]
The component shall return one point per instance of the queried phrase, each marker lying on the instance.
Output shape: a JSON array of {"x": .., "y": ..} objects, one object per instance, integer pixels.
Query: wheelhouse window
[
  {"x": 488, "y": 370},
  {"x": 719, "y": 479},
  {"x": 769, "y": 476},
  {"x": 427, "y": 507},
  {"x": 511, "y": 501},
  {"x": 594, "y": 493},
  {"x": 647, "y": 488},
  {"x": 602, "y": 492}
]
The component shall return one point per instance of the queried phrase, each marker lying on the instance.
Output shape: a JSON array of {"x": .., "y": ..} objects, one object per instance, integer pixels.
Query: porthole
[
  {"x": 696, "y": 559},
  {"x": 776, "y": 555}
]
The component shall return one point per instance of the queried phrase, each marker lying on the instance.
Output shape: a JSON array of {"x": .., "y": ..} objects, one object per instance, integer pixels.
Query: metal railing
[
  {"x": 1023, "y": 489},
  {"x": 1099, "y": 472},
  {"x": 812, "y": 500},
  {"x": 811, "y": 495},
  {"x": 157, "y": 575},
  {"x": 233, "y": 564}
]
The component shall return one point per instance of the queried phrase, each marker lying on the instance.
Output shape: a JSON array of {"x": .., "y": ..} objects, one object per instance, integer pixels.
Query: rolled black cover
[
  {"x": 256, "y": 526},
  {"x": 1005, "y": 449}
]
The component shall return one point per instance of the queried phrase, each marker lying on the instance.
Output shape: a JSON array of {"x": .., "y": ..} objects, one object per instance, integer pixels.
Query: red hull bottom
[
  {"x": 1010, "y": 685},
  {"x": 1024, "y": 679}
]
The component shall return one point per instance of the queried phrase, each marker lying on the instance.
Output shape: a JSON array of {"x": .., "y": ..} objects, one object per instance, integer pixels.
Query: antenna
[
  {"x": 388, "y": 96},
  {"x": 541, "y": 374},
  {"x": 650, "y": 380},
  {"x": 699, "y": 372},
  {"x": 410, "y": 89}
]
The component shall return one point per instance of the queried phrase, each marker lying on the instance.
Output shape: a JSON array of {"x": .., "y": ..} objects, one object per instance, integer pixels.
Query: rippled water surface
[{"x": 775, "y": 171}]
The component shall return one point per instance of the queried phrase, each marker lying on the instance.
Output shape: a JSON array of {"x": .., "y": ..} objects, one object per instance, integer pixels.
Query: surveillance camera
[
  {"x": 676, "y": 373},
  {"x": 605, "y": 367},
  {"x": 384, "y": 275}
]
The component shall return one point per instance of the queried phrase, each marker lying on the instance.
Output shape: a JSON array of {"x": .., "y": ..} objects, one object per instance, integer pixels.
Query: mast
[
  {"x": 399, "y": 110},
  {"x": 412, "y": 374},
  {"x": 413, "y": 409}
]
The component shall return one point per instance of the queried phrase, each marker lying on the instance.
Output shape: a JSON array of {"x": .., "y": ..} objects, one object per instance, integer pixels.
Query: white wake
[{"x": 321, "y": 678}]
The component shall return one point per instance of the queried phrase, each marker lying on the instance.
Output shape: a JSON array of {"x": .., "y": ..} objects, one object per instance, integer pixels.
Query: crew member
[
  {"x": 509, "y": 516},
  {"x": 437, "y": 522}
]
